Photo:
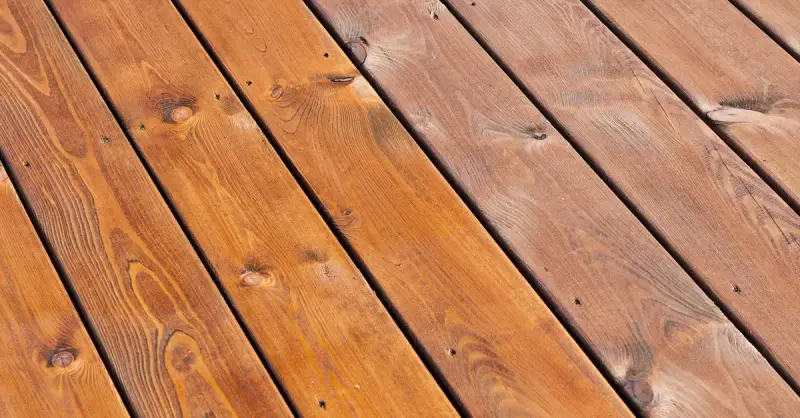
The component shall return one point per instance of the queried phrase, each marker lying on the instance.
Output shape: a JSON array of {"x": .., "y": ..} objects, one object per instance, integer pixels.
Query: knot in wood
[
  {"x": 181, "y": 113},
  {"x": 62, "y": 359}
]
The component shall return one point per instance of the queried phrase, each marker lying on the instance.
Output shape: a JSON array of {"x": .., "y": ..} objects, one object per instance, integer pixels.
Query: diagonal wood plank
[
  {"x": 48, "y": 364},
  {"x": 737, "y": 76},
  {"x": 492, "y": 338},
  {"x": 333, "y": 346},
  {"x": 782, "y": 17},
  {"x": 732, "y": 231},
  {"x": 568, "y": 228},
  {"x": 170, "y": 336}
]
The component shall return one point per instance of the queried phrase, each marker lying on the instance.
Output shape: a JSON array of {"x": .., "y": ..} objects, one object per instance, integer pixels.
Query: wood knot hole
[
  {"x": 61, "y": 359},
  {"x": 181, "y": 114},
  {"x": 276, "y": 92},
  {"x": 252, "y": 278},
  {"x": 358, "y": 51}
]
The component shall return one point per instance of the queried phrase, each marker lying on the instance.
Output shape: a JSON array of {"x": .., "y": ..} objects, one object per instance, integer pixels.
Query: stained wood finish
[
  {"x": 782, "y": 17},
  {"x": 730, "y": 228},
  {"x": 49, "y": 365},
  {"x": 664, "y": 340},
  {"x": 319, "y": 323},
  {"x": 169, "y": 334},
  {"x": 493, "y": 339},
  {"x": 743, "y": 81}
]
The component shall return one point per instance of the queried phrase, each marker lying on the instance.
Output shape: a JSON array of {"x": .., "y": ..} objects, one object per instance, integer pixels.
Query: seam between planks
[
  {"x": 175, "y": 214},
  {"x": 728, "y": 313},
  {"x": 681, "y": 93},
  {"x": 518, "y": 263},
  {"x": 380, "y": 293},
  {"x": 765, "y": 28}
]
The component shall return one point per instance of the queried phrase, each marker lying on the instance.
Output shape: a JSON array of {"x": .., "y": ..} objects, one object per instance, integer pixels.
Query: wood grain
[
  {"x": 749, "y": 87},
  {"x": 782, "y": 17},
  {"x": 169, "y": 334},
  {"x": 322, "y": 328},
  {"x": 665, "y": 342},
  {"x": 48, "y": 364},
  {"x": 489, "y": 334},
  {"x": 743, "y": 81}
]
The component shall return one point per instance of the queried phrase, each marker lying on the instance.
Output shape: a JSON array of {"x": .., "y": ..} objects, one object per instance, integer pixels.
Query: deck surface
[{"x": 400, "y": 208}]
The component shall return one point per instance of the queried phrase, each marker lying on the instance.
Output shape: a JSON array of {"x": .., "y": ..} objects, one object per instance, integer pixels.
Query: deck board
[
  {"x": 576, "y": 237},
  {"x": 781, "y": 17},
  {"x": 321, "y": 327},
  {"x": 749, "y": 87},
  {"x": 49, "y": 365},
  {"x": 484, "y": 328},
  {"x": 168, "y": 333},
  {"x": 730, "y": 229}
]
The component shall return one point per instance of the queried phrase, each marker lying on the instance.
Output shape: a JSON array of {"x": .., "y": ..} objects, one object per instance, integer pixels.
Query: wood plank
[
  {"x": 781, "y": 17},
  {"x": 322, "y": 328},
  {"x": 574, "y": 235},
  {"x": 743, "y": 81},
  {"x": 48, "y": 364},
  {"x": 731, "y": 229},
  {"x": 169, "y": 335},
  {"x": 492, "y": 338}
]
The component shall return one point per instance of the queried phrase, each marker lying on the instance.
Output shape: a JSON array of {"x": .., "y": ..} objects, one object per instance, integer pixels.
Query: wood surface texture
[
  {"x": 664, "y": 341},
  {"x": 730, "y": 228},
  {"x": 319, "y": 323},
  {"x": 782, "y": 17},
  {"x": 737, "y": 76},
  {"x": 171, "y": 338},
  {"x": 49, "y": 365},
  {"x": 492, "y": 338}
]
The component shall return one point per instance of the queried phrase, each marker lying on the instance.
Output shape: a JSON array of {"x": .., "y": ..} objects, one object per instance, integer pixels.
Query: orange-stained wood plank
[
  {"x": 744, "y": 82},
  {"x": 169, "y": 335},
  {"x": 568, "y": 228},
  {"x": 48, "y": 364},
  {"x": 781, "y": 17},
  {"x": 489, "y": 334},
  {"x": 321, "y": 326},
  {"x": 729, "y": 227}
]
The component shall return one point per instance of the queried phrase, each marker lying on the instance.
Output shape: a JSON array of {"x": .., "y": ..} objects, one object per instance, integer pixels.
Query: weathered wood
[
  {"x": 48, "y": 364},
  {"x": 729, "y": 227},
  {"x": 782, "y": 17},
  {"x": 743, "y": 81},
  {"x": 575, "y": 236},
  {"x": 168, "y": 332},
  {"x": 490, "y": 335},
  {"x": 322, "y": 328}
]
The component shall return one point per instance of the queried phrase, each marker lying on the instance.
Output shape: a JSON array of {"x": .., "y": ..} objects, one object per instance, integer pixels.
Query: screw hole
[
  {"x": 326, "y": 55},
  {"x": 216, "y": 96},
  {"x": 451, "y": 352},
  {"x": 576, "y": 301},
  {"x": 322, "y": 404},
  {"x": 737, "y": 289},
  {"x": 249, "y": 83},
  {"x": 106, "y": 140}
]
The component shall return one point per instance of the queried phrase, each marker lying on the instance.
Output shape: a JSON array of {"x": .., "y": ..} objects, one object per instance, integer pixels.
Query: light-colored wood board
[
  {"x": 333, "y": 346},
  {"x": 48, "y": 364},
  {"x": 169, "y": 335},
  {"x": 749, "y": 87},
  {"x": 492, "y": 338},
  {"x": 728, "y": 226},
  {"x": 782, "y": 17},
  {"x": 638, "y": 308}
]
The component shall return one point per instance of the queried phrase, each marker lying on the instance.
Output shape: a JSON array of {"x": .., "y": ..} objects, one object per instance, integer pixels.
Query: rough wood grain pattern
[
  {"x": 731, "y": 70},
  {"x": 782, "y": 17},
  {"x": 48, "y": 364},
  {"x": 322, "y": 328},
  {"x": 732, "y": 230},
  {"x": 493, "y": 339},
  {"x": 661, "y": 337},
  {"x": 169, "y": 334}
]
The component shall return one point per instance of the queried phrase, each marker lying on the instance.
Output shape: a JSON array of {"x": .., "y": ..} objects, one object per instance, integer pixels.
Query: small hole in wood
[
  {"x": 435, "y": 16},
  {"x": 326, "y": 55},
  {"x": 216, "y": 96},
  {"x": 106, "y": 140},
  {"x": 451, "y": 352},
  {"x": 576, "y": 301},
  {"x": 322, "y": 404},
  {"x": 141, "y": 126},
  {"x": 737, "y": 289},
  {"x": 249, "y": 83}
]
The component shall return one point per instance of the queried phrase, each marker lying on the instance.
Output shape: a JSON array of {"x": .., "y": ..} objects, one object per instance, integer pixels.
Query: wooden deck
[{"x": 400, "y": 208}]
